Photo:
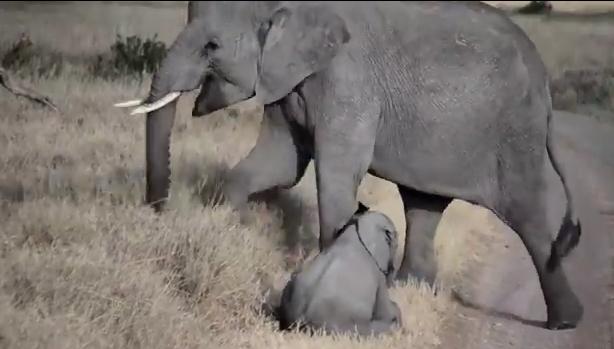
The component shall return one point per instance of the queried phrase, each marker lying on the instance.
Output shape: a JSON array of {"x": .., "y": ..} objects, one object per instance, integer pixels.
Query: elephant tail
[{"x": 570, "y": 231}]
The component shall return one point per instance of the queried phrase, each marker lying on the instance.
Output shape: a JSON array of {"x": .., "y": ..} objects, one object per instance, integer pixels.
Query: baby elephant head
[{"x": 379, "y": 235}]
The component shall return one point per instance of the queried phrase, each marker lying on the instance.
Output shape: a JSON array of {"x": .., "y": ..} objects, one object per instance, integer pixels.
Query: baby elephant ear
[
  {"x": 362, "y": 208},
  {"x": 296, "y": 43}
]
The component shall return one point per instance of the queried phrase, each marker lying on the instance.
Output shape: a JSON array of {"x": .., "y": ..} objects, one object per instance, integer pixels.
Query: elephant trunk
[
  {"x": 157, "y": 133},
  {"x": 175, "y": 76},
  {"x": 180, "y": 71},
  {"x": 160, "y": 107}
]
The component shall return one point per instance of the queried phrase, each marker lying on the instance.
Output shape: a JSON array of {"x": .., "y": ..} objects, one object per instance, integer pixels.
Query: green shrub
[{"x": 130, "y": 57}]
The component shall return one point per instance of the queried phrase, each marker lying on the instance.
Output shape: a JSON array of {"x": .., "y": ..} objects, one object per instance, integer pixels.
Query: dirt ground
[
  {"x": 84, "y": 264},
  {"x": 505, "y": 308}
]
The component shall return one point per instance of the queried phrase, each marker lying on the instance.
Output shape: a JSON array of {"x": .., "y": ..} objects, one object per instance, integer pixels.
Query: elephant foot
[
  {"x": 561, "y": 326},
  {"x": 567, "y": 317}
]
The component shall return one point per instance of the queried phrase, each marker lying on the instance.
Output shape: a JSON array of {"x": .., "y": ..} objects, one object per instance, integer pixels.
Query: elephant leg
[
  {"x": 422, "y": 215},
  {"x": 342, "y": 156},
  {"x": 526, "y": 215},
  {"x": 278, "y": 160}
]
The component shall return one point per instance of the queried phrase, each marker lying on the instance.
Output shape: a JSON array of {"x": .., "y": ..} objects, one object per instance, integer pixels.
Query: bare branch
[{"x": 21, "y": 91}]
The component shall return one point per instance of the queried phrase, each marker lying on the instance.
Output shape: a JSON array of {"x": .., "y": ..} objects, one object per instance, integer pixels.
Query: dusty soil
[
  {"x": 504, "y": 308},
  {"x": 576, "y": 7}
]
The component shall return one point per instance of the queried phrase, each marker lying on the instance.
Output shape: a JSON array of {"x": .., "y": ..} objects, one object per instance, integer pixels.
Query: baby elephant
[{"x": 345, "y": 287}]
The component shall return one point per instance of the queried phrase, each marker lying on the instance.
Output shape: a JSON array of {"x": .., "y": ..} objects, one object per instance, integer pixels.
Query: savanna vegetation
[{"x": 84, "y": 264}]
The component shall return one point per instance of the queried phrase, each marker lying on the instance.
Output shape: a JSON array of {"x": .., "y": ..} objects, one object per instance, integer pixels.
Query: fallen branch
[{"x": 21, "y": 91}]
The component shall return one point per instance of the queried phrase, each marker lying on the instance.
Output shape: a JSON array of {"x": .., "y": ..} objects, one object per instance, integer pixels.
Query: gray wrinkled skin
[
  {"x": 343, "y": 289},
  {"x": 445, "y": 99}
]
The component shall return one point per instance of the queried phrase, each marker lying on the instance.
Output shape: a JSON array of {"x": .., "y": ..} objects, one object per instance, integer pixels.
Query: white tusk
[
  {"x": 146, "y": 108},
  {"x": 126, "y": 104},
  {"x": 253, "y": 100},
  {"x": 248, "y": 103}
]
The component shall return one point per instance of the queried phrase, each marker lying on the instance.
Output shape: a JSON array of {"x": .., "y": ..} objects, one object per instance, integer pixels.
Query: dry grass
[{"x": 84, "y": 264}]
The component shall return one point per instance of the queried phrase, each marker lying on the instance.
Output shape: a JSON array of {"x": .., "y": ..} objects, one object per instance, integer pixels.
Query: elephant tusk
[
  {"x": 146, "y": 108},
  {"x": 254, "y": 101},
  {"x": 248, "y": 104},
  {"x": 126, "y": 104}
]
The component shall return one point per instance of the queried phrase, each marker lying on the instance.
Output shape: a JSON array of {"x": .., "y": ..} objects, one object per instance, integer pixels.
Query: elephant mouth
[
  {"x": 203, "y": 108},
  {"x": 143, "y": 107}
]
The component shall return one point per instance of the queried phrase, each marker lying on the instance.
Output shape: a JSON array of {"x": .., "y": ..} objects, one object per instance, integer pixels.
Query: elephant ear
[{"x": 296, "y": 43}]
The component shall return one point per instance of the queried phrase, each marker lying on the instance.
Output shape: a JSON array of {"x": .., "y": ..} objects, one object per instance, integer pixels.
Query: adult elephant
[{"x": 445, "y": 99}]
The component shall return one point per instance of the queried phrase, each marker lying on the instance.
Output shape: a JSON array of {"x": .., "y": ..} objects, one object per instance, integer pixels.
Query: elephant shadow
[
  {"x": 121, "y": 184},
  {"x": 462, "y": 301},
  {"x": 299, "y": 221}
]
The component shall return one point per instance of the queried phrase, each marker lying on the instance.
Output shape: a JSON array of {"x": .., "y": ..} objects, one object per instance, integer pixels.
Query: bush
[
  {"x": 19, "y": 54},
  {"x": 130, "y": 57}
]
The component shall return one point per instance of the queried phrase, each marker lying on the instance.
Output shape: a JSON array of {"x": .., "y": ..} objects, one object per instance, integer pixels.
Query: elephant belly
[
  {"x": 454, "y": 159},
  {"x": 448, "y": 117},
  {"x": 447, "y": 134}
]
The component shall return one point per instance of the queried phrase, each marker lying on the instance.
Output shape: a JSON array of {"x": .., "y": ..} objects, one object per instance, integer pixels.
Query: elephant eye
[
  {"x": 388, "y": 236},
  {"x": 212, "y": 45}
]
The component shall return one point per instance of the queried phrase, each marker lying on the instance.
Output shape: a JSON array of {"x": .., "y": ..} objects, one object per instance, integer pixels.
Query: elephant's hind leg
[
  {"x": 524, "y": 211},
  {"x": 422, "y": 215}
]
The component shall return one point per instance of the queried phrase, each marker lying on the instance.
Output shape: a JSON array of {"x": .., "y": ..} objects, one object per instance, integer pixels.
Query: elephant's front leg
[
  {"x": 276, "y": 161},
  {"x": 343, "y": 153}
]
